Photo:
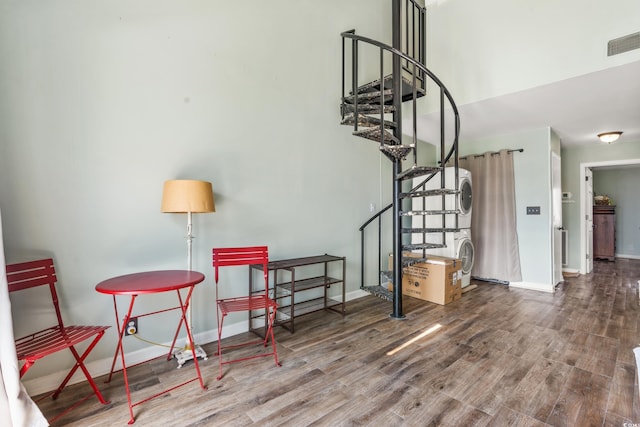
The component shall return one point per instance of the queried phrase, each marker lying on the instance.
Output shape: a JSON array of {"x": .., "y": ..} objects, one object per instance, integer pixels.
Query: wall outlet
[{"x": 132, "y": 326}]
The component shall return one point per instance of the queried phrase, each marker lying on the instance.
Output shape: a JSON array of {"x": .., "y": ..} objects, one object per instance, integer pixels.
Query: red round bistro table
[{"x": 152, "y": 282}]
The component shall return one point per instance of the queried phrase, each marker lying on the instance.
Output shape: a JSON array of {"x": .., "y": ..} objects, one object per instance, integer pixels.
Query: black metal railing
[
  {"x": 417, "y": 69},
  {"x": 414, "y": 36}
]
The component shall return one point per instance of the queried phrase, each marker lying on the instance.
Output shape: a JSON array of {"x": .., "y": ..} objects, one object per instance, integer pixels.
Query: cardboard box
[{"x": 439, "y": 280}]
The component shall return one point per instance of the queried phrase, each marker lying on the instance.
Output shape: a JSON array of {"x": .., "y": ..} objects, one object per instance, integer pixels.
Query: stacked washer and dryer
[{"x": 458, "y": 244}]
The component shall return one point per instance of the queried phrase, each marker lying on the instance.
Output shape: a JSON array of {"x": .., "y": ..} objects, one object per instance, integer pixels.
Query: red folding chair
[
  {"x": 39, "y": 344},
  {"x": 224, "y": 257}
]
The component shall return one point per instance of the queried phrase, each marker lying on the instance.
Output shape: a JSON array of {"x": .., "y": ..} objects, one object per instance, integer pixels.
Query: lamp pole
[
  {"x": 189, "y": 240},
  {"x": 191, "y": 349}
]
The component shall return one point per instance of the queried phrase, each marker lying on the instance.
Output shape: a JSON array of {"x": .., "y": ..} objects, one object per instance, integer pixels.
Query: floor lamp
[{"x": 188, "y": 196}]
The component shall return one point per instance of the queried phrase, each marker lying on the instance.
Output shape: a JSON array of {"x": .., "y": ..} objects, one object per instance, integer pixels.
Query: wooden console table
[
  {"x": 301, "y": 286},
  {"x": 604, "y": 232}
]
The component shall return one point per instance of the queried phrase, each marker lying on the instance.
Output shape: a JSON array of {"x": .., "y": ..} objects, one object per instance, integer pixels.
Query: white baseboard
[
  {"x": 571, "y": 270},
  {"x": 628, "y": 256},
  {"x": 542, "y": 287},
  {"x": 356, "y": 294},
  {"x": 46, "y": 383}
]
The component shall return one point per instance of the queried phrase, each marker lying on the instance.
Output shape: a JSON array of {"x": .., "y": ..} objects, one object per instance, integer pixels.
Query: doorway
[{"x": 586, "y": 244}]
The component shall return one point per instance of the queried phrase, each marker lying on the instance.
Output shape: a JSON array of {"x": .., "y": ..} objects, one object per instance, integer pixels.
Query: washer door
[
  {"x": 466, "y": 196},
  {"x": 466, "y": 254}
]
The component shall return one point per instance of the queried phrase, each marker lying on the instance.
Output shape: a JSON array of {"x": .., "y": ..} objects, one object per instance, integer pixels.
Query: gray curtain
[
  {"x": 493, "y": 217},
  {"x": 16, "y": 407}
]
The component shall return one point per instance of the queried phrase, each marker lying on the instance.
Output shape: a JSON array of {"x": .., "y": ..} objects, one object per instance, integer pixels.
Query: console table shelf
[
  {"x": 301, "y": 286},
  {"x": 310, "y": 283}
]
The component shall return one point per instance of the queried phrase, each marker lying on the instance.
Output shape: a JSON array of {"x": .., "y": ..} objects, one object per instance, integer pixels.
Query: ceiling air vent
[{"x": 623, "y": 44}]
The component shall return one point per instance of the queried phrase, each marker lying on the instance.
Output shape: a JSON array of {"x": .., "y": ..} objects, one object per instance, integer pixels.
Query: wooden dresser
[{"x": 604, "y": 232}]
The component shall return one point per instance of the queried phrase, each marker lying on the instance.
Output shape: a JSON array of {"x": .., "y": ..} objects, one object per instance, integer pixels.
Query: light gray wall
[
  {"x": 488, "y": 48},
  {"x": 533, "y": 188},
  {"x": 104, "y": 101},
  {"x": 621, "y": 185},
  {"x": 572, "y": 158}
]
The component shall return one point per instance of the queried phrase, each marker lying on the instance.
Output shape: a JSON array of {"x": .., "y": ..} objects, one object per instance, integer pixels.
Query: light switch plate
[{"x": 533, "y": 210}]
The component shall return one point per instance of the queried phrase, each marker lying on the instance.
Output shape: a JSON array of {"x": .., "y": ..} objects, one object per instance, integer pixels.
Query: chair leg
[
  {"x": 220, "y": 322},
  {"x": 269, "y": 325},
  {"x": 272, "y": 317},
  {"x": 80, "y": 364}
]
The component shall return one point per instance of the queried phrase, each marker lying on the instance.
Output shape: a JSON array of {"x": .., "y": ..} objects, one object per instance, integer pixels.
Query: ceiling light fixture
[{"x": 609, "y": 137}]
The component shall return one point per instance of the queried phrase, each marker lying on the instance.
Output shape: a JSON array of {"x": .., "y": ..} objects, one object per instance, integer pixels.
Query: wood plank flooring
[{"x": 500, "y": 356}]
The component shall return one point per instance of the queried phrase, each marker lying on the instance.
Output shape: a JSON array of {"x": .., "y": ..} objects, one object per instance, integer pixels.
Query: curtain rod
[{"x": 519, "y": 150}]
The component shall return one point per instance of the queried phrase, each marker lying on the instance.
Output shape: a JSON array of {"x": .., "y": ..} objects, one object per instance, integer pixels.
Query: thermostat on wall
[{"x": 567, "y": 196}]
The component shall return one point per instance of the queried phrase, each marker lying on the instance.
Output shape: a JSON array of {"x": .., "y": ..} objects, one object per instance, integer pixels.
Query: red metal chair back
[
  {"x": 30, "y": 274},
  {"x": 248, "y": 255}
]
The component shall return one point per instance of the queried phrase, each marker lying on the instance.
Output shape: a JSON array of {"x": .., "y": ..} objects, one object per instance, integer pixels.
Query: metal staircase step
[
  {"x": 396, "y": 152},
  {"x": 430, "y": 230},
  {"x": 430, "y": 212},
  {"x": 367, "y": 108},
  {"x": 406, "y": 87},
  {"x": 408, "y": 261},
  {"x": 374, "y": 135},
  {"x": 417, "y": 171},
  {"x": 428, "y": 193},
  {"x": 370, "y": 98},
  {"x": 379, "y": 291},
  {"x": 367, "y": 121},
  {"x": 375, "y": 85},
  {"x": 418, "y": 246}
]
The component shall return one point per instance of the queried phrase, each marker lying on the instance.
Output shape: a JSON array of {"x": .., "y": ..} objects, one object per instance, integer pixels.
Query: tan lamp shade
[{"x": 187, "y": 195}]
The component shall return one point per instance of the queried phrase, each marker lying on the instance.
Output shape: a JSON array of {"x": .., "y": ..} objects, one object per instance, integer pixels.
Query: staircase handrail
[{"x": 375, "y": 216}]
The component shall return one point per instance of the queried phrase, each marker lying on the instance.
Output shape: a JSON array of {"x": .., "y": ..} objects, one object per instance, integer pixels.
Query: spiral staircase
[{"x": 395, "y": 77}]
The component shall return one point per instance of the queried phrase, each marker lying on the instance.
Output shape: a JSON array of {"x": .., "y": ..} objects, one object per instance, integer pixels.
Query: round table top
[{"x": 149, "y": 282}]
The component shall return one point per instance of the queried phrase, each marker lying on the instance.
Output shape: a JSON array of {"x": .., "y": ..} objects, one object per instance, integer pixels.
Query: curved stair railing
[{"x": 366, "y": 107}]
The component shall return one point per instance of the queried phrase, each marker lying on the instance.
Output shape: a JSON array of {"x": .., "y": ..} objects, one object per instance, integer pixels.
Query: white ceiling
[{"x": 576, "y": 109}]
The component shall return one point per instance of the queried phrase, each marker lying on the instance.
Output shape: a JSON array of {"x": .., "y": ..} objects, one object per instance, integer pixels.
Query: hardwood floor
[{"x": 499, "y": 356}]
